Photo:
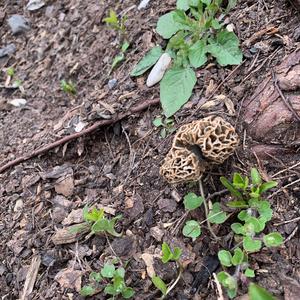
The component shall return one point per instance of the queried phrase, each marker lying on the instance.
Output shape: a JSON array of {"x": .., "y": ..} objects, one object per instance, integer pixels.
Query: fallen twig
[{"x": 71, "y": 137}]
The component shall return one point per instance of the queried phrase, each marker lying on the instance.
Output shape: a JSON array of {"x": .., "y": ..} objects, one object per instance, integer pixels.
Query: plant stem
[
  {"x": 176, "y": 281},
  {"x": 206, "y": 211}
]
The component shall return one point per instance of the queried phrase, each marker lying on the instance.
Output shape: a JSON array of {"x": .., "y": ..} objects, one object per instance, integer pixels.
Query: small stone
[
  {"x": 48, "y": 260},
  {"x": 112, "y": 83},
  {"x": 65, "y": 186},
  {"x": 35, "y": 5},
  {"x": 19, "y": 205},
  {"x": 158, "y": 71},
  {"x": 167, "y": 205},
  {"x": 143, "y": 4},
  {"x": 18, "y": 24},
  {"x": 17, "y": 102},
  {"x": 175, "y": 195},
  {"x": 157, "y": 233},
  {"x": 7, "y": 50}
]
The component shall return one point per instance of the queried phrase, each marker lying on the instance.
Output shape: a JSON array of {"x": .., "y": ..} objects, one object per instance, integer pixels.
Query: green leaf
[
  {"x": 147, "y": 62},
  {"x": 231, "y": 188},
  {"x": 127, "y": 292},
  {"x": 197, "y": 54},
  {"x": 255, "y": 224},
  {"x": 167, "y": 253},
  {"x": 87, "y": 290},
  {"x": 251, "y": 245},
  {"x": 237, "y": 204},
  {"x": 249, "y": 273},
  {"x": 10, "y": 71},
  {"x": 215, "y": 24},
  {"x": 216, "y": 215},
  {"x": 256, "y": 292},
  {"x": 159, "y": 284},
  {"x": 108, "y": 270},
  {"x": 112, "y": 19},
  {"x": 225, "y": 48},
  {"x": 244, "y": 215},
  {"x": 192, "y": 201},
  {"x": 182, "y": 4},
  {"x": 157, "y": 122},
  {"x": 273, "y": 239},
  {"x": 125, "y": 46},
  {"x": 238, "y": 257},
  {"x": 177, "y": 253},
  {"x": 222, "y": 276},
  {"x": 94, "y": 276},
  {"x": 229, "y": 282},
  {"x": 117, "y": 59},
  {"x": 168, "y": 26},
  {"x": 238, "y": 181},
  {"x": 267, "y": 186},
  {"x": 176, "y": 88},
  {"x": 225, "y": 258},
  {"x": 110, "y": 290},
  {"x": 255, "y": 177},
  {"x": 238, "y": 228},
  {"x": 120, "y": 272},
  {"x": 231, "y": 4},
  {"x": 191, "y": 229}
]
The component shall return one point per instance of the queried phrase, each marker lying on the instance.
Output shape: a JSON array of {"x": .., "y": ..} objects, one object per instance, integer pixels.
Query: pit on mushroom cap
[{"x": 210, "y": 140}]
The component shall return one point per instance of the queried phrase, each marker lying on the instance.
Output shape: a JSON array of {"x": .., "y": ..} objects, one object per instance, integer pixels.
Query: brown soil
[{"x": 117, "y": 167}]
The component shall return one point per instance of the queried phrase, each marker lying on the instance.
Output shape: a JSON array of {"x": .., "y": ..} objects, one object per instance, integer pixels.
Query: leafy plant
[
  {"x": 253, "y": 213},
  {"x": 111, "y": 279},
  {"x": 121, "y": 56},
  {"x": 99, "y": 222},
  {"x": 167, "y": 256},
  {"x": 68, "y": 87},
  {"x": 10, "y": 71},
  {"x": 195, "y": 31},
  {"x": 167, "y": 125}
]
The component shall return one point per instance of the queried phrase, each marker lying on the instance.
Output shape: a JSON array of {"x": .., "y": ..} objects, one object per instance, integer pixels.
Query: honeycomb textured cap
[{"x": 196, "y": 145}]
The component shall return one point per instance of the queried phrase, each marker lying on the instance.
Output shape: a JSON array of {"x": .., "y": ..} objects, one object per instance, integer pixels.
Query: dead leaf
[
  {"x": 69, "y": 278},
  {"x": 74, "y": 217},
  {"x": 149, "y": 261},
  {"x": 65, "y": 186}
]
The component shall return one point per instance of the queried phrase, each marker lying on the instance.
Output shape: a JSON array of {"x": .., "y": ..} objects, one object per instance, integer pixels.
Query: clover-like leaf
[
  {"x": 249, "y": 273},
  {"x": 238, "y": 228},
  {"x": 108, "y": 270},
  {"x": 216, "y": 215},
  {"x": 95, "y": 276},
  {"x": 192, "y": 229},
  {"x": 273, "y": 239},
  {"x": 87, "y": 290},
  {"x": 238, "y": 257},
  {"x": 127, "y": 292},
  {"x": 225, "y": 258},
  {"x": 192, "y": 201},
  {"x": 251, "y": 245}
]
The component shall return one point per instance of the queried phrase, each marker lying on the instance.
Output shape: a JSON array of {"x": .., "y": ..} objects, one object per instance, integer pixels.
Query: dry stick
[
  {"x": 206, "y": 210},
  {"x": 71, "y": 137},
  {"x": 285, "y": 100}
]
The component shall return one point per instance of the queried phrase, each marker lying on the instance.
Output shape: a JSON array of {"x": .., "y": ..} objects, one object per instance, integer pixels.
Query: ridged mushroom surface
[{"x": 210, "y": 140}]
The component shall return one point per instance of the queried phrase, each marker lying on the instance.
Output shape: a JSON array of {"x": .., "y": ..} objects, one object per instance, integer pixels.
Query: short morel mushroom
[{"x": 196, "y": 145}]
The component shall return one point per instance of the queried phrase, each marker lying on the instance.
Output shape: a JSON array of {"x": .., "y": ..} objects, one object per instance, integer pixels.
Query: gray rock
[
  {"x": 143, "y": 4},
  {"x": 18, "y": 24},
  {"x": 112, "y": 83},
  {"x": 7, "y": 50}
]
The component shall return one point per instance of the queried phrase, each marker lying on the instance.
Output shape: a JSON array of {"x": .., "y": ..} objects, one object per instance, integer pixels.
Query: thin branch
[{"x": 71, "y": 137}]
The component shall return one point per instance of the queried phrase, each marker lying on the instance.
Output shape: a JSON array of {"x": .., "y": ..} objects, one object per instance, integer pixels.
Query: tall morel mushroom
[{"x": 210, "y": 140}]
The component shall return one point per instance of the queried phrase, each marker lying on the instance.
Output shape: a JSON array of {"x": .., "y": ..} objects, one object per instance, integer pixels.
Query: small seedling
[
  {"x": 167, "y": 256},
  {"x": 111, "y": 279},
  {"x": 195, "y": 32},
  {"x": 68, "y": 87},
  {"x": 116, "y": 23},
  {"x": 10, "y": 71},
  {"x": 121, "y": 56},
  {"x": 166, "y": 125},
  {"x": 254, "y": 212}
]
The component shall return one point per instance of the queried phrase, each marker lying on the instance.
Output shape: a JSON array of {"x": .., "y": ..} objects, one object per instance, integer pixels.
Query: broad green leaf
[
  {"x": 182, "y": 4},
  {"x": 222, "y": 276},
  {"x": 255, "y": 223},
  {"x": 117, "y": 59},
  {"x": 87, "y": 290},
  {"x": 251, "y": 245},
  {"x": 231, "y": 188},
  {"x": 176, "y": 88},
  {"x": 108, "y": 270},
  {"x": 273, "y": 239},
  {"x": 238, "y": 228},
  {"x": 249, "y": 273},
  {"x": 191, "y": 229},
  {"x": 238, "y": 257},
  {"x": 157, "y": 281},
  {"x": 167, "y": 26},
  {"x": 167, "y": 253},
  {"x": 255, "y": 177},
  {"x": 256, "y": 292},
  {"x": 192, "y": 201},
  {"x": 147, "y": 62},
  {"x": 120, "y": 272},
  {"x": 215, "y": 24},
  {"x": 225, "y": 258},
  {"x": 110, "y": 290},
  {"x": 225, "y": 48},
  {"x": 267, "y": 186},
  {"x": 177, "y": 253},
  {"x": 244, "y": 215},
  {"x": 216, "y": 215},
  {"x": 128, "y": 292},
  {"x": 100, "y": 226},
  {"x": 197, "y": 54}
]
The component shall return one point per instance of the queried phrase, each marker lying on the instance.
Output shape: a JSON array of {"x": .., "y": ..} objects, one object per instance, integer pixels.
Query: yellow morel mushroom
[{"x": 210, "y": 140}]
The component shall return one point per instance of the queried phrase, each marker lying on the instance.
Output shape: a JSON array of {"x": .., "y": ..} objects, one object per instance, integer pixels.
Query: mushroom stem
[{"x": 206, "y": 211}]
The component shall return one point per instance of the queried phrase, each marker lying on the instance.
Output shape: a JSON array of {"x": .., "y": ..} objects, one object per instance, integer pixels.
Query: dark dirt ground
[{"x": 117, "y": 167}]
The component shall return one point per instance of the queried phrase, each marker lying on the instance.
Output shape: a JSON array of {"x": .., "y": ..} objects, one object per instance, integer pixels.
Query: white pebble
[{"x": 158, "y": 71}]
